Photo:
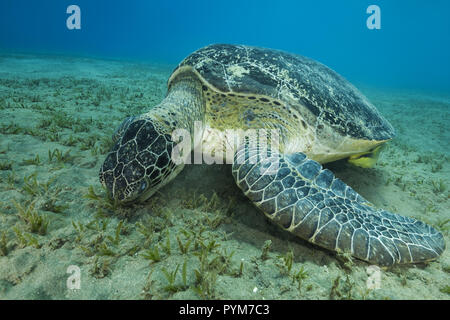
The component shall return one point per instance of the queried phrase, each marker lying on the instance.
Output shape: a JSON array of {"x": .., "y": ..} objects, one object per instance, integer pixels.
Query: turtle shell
[{"x": 295, "y": 80}]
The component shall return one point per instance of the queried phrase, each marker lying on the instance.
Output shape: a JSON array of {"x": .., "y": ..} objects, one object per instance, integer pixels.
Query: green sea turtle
[{"x": 319, "y": 117}]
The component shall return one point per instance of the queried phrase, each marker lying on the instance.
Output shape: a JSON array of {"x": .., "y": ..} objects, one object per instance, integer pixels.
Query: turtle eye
[{"x": 143, "y": 185}]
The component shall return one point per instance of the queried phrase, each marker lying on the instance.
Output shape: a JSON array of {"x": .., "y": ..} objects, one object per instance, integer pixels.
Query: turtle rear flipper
[{"x": 297, "y": 194}]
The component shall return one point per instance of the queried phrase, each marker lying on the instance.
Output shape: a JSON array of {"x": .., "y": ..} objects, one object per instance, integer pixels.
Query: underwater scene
[{"x": 191, "y": 150}]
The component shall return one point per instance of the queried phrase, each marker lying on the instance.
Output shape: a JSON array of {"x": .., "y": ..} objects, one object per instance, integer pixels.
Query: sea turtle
[{"x": 318, "y": 116}]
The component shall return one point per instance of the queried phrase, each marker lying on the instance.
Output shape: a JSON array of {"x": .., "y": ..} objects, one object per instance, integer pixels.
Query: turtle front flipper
[{"x": 297, "y": 194}]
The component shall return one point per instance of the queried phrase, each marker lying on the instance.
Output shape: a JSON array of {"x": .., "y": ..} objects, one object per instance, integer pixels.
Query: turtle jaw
[
  {"x": 141, "y": 191},
  {"x": 129, "y": 193},
  {"x": 137, "y": 193},
  {"x": 143, "y": 194}
]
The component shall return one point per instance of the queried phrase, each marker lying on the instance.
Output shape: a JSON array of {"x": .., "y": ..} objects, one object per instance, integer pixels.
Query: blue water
[
  {"x": 57, "y": 116},
  {"x": 412, "y": 48}
]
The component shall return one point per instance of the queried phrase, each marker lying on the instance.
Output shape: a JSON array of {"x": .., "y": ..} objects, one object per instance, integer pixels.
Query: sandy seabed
[{"x": 198, "y": 237}]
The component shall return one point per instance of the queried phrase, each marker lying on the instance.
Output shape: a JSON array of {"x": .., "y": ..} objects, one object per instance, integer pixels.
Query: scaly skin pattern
[
  {"x": 315, "y": 111},
  {"x": 313, "y": 204},
  {"x": 140, "y": 161}
]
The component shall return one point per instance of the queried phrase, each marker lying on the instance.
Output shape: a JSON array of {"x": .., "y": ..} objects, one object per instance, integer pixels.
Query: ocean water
[{"x": 63, "y": 93}]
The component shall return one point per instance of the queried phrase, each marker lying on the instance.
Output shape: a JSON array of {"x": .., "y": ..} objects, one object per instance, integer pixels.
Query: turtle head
[{"x": 139, "y": 162}]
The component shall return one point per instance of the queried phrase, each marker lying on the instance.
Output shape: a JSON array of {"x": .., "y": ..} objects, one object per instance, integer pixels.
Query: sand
[{"x": 198, "y": 237}]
